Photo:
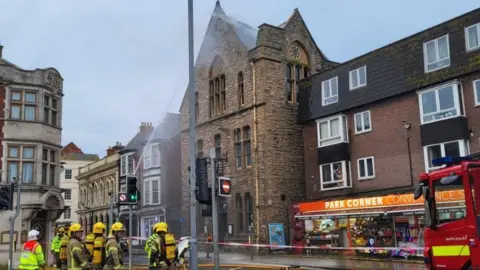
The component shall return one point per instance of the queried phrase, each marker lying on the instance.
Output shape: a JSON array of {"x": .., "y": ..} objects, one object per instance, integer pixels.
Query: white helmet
[{"x": 33, "y": 235}]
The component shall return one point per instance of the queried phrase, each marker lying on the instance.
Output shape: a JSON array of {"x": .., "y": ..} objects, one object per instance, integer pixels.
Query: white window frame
[
  {"x": 464, "y": 148},
  {"x": 425, "y": 55},
  {"x": 366, "y": 168},
  {"x": 467, "y": 37},
  {"x": 476, "y": 91},
  {"x": 65, "y": 195},
  {"x": 356, "y": 73},
  {"x": 71, "y": 174},
  {"x": 329, "y": 81},
  {"x": 343, "y": 130},
  {"x": 364, "y": 130},
  {"x": 148, "y": 161},
  {"x": 124, "y": 159},
  {"x": 456, "y": 101},
  {"x": 143, "y": 221},
  {"x": 69, "y": 214},
  {"x": 345, "y": 169},
  {"x": 148, "y": 185}
]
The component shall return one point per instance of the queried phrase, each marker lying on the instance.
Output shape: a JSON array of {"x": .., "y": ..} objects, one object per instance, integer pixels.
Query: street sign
[
  {"x": 122, "y": 197},
  {"x": 224, "y": 186}
]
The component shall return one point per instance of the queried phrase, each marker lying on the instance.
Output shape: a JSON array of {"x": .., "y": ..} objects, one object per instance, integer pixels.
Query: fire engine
[{"x": 452, "y": 230}]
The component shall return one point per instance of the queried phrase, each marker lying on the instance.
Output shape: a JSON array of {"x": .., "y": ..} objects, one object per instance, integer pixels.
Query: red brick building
[{"x": 374, "y": 123}]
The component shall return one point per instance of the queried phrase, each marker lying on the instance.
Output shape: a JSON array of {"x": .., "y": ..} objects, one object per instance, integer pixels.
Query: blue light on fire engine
[{"x": 450, "y": 160}]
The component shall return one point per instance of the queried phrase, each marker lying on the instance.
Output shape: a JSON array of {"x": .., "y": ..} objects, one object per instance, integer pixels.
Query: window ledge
[
  {"x": 363, "y": 132},
  {"x": 366, "y": 178},
  {"x": 437, "y": 69},
  {"x": 358, "y": 87},
  {"x": 327, "y": 145},
  {"x": 473, "y": 49},
  {"x": 335, "y": 188}
]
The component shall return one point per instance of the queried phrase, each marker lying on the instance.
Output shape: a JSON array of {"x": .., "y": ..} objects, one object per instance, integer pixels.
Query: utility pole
[
  {"x": 12, "y": 224},
  {"x": 213, "y": 167},
  {"x": 110, "y": 212},
  {"x": 192, "y": 140}
]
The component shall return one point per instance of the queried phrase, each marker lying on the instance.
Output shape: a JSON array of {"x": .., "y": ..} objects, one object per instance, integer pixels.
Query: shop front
[{"x": 395, "y": 222}]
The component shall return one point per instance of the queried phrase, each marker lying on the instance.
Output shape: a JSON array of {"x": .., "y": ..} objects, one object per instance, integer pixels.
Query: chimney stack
[
  {"x": 110, "y": 151},
  {"x": 146, "y": 127}
]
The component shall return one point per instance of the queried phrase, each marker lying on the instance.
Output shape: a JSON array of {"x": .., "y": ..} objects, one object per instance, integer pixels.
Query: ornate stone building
[
  {"x": 31, "y": 126},
  {"x": 246, "y": 103},
  {"x": 95, "y": 182}
]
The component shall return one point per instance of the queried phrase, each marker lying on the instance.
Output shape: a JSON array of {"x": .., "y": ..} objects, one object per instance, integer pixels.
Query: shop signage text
[{"x": 381, "y": 201}]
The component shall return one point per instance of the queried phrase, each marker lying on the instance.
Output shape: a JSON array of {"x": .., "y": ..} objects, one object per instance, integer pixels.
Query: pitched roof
[{"x": 80, "y": 157}]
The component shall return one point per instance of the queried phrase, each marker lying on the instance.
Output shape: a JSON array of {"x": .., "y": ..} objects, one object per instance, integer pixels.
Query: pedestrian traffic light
[
  {"x": 6, "y": 197},
  {"x": 202, "y": 192},
  {"x": 224, "y": 186},
  {"x": 132, "y": 191}
]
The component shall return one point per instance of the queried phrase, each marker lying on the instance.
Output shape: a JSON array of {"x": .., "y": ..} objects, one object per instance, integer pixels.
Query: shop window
[
  {"x": 450, "y": 149},
  {"x": 332, "y": 130},
  {"x": 440, "y": 103},
  {"x": 334, "y": 176}
]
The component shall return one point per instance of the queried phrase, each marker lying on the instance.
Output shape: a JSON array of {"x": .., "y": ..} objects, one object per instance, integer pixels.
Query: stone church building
[{"x": 246, "y": 104}]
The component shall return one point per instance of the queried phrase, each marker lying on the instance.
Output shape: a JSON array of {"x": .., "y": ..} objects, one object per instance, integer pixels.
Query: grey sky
[{"x": 125, "y": 61}]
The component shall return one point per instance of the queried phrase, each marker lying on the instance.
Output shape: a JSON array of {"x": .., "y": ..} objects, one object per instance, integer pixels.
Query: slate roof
[{"x": 392, "y": 70}]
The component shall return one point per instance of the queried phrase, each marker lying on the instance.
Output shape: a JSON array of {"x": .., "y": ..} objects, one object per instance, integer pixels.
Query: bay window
[
  {"x": 49, "y": 166},
  {"x": 127, "y": 164},
  {"x": 151, "y": 191},
  {"x": 440, "y": 103},
  {"x": 334, "y": 175},
  {"x": 445, "y": 149},
  {"x": 21, "y": 160},
  {"x": 151, "y": 156},
  {"x": 332, "y": 130},
  {"x": 23, "y": 105}
]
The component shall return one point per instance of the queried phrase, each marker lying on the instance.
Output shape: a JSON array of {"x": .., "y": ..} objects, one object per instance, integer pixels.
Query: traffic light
[
  {"x": 6, "y": 197},
  {"x": 132, "y": 192},
  {"x": 224, "y": 186},
  {"x": 202, "y": 193}
]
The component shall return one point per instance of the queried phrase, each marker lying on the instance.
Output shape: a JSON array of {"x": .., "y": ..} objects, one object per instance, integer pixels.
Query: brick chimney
[{"x": 146, "y": 127}]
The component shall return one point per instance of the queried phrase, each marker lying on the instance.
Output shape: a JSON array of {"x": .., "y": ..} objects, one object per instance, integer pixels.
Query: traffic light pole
[
  {"x": 213, "y": 167},
  {"x": 12, "y": 224},
  {"x": 130, "y": 237},
  {"x": 110, "y": 213},
  {"x": 193, "y": 260}
]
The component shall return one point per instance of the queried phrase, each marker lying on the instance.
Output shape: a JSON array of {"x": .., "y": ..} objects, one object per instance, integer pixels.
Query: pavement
[{"x": 243, "y": 261}]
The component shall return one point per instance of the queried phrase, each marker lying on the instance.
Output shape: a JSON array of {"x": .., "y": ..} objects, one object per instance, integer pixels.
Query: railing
[{"x": 91, "y": 166}]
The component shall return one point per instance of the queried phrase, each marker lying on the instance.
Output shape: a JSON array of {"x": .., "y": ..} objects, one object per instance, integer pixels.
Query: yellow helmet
[
  {"x": 160, "y": 227},
  {"x": 61, "y": 230},
  {"x": 117, "y": 226},
  {"x": 75, "y": 227},
  {"x": 99, "y": 228}
]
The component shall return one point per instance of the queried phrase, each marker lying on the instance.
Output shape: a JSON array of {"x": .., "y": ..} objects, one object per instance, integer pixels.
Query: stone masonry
[{"x": 277, "y": 154}]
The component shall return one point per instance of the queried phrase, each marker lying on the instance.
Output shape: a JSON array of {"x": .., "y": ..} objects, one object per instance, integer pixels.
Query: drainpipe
[{"x": 255, "y": 145}]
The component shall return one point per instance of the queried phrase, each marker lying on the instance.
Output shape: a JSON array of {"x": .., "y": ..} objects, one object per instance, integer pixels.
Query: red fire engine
[{"x": 452, "y": 232}]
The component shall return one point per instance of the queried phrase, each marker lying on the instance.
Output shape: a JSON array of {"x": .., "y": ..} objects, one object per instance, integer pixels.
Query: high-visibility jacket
[
  {"x": 76, "y": 259},
  {"x": 113, "y": 253},
  {"x": 32, "y": 256},
  {"x": 149, "y": 242},
  {"x": 98, "y": 257},
  {"x": 56, "y": 244},
  {"x": 89, "y": 239},
  {"x": 63, "y": 253}
]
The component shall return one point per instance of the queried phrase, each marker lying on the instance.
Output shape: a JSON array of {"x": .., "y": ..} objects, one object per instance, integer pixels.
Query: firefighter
[
  {"x": 163, "y": 250},
  {"x": 55, "y": 248},
  {"x": 152, "y": 237},
  {"x": 76, "y": 259},
  {"x": 89, "y": 239},
  {"x": 113, "y": 251},
  {"x": 98, "y": 255},
  {"x": 62, "y": 254},
  {"x": 32, "y": 256}
]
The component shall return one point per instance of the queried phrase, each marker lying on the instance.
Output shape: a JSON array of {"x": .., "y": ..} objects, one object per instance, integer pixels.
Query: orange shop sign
[{"x": 380, "y": 201}]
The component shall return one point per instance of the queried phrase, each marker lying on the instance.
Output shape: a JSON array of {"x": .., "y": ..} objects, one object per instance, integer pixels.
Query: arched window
[
  {"x": 217, "y": 88},
  {"x": 298, "y": 68}
]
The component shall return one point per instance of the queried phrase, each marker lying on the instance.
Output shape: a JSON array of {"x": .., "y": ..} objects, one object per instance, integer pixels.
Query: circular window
[{"x": 295, "y": 51}]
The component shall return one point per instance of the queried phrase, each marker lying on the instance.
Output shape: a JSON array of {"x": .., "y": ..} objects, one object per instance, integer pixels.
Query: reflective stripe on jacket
[
  {"x": 113, "y": 253},
  {"x": 32, "y": 256},
  {"x": 76, "y": 258},
  {"x": 149, "y": 242}
]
